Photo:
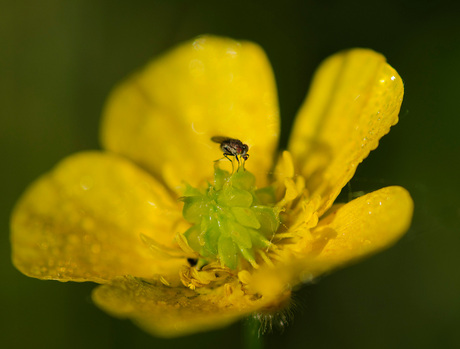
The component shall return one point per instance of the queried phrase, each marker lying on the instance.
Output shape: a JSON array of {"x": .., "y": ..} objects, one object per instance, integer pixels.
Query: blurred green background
[{"x": 58, "y": 62}]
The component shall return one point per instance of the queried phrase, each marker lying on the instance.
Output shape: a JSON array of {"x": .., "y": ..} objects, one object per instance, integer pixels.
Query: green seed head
[{"x": 231, "y": 218}]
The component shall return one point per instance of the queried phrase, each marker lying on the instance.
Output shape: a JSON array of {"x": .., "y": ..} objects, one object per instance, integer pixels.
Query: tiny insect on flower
[{"x": 232, "y": 147}]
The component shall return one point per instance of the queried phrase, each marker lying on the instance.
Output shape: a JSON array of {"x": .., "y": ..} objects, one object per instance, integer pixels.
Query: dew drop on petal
[
  {"x": 306, "y": 277},
  {"x": 86, "y": 182},
  {"x": 197, "y": 130},
  {"x": 198, "y": 43},
  {"x": 232, "y": 52},
  {"x": 196, "y": 68},
  {"x": 151, "y": 203}
]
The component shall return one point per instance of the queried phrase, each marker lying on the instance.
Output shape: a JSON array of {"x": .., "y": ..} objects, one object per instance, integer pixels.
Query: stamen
[
  {"x": 164, "y": 281},
  {"x": 228, "y": 290},
  {"x": 182, "y": 242},
  {"x": 244, "y": 276},
  {"x": 164, "y": 251},
  {"x": 291, "y": 192},
  {"x": 265, "y": 258},
  {"x": 213, "y": 273},
  {"x": 286, "y": 235}
]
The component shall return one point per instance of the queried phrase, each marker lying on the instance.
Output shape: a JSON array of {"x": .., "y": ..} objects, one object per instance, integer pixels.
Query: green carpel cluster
[{"x": 231, "y": 218}]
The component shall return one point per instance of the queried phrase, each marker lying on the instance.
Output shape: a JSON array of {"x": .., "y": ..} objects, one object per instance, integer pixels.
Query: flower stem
[{"x": 252, "y": 338}]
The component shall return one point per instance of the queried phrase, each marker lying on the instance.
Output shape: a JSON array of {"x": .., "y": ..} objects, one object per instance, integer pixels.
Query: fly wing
[{"x": 220, "y": 139}]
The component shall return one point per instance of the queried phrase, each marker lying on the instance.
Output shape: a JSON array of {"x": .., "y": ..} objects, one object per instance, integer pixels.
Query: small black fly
[{"x": 232, "y": 147}]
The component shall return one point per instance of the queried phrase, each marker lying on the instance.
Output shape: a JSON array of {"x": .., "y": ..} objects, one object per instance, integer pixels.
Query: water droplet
[
  {"x": 196, "y": 130},
  {"x": 232, "y": 52},
  {"x": 151, "y": 203},
  {"x": 86, "y": 182},
  {"x": 198, "y": 44},
  {"x": 306, "y": 277},
  {"x": 196, "y": 67}
]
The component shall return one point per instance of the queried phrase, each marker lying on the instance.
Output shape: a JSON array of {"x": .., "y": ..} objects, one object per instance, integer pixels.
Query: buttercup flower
[{"x": 181, "y": 243}]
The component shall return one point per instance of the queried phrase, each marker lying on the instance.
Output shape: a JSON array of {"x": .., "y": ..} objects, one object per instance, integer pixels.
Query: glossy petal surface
[
  {"x": 172, "y": 311},
  {"x": 164, "y": 117},
  {"x": 354, "y": 99},
  {"x": 354, "y": 230},
  {"x": 83, "y": 221}
]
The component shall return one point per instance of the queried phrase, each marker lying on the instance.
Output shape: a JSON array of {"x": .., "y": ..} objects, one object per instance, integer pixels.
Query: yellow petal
[
  {"x": 354, "y": 99},
  {"x": 83, "y": 221},
  {"x": 164, "y": 116},
  {"x": 174, "y": 311},
  {"x": 359, "y": 228}
]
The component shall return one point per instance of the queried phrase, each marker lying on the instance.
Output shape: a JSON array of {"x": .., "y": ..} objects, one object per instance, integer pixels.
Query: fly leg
[
  {"x": 238, "y": 160},
  {"x": 226, "y": 156}
]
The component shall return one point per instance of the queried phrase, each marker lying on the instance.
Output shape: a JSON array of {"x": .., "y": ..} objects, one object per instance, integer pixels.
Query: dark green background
[{"x": 58, "y": 61}]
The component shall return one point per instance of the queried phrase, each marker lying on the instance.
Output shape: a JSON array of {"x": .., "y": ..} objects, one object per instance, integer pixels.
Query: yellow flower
[{"x": 115, "y": 217}]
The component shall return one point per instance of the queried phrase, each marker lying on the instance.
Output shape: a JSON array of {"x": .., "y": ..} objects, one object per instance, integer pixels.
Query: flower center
[{"x": 233, "y": 221}]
